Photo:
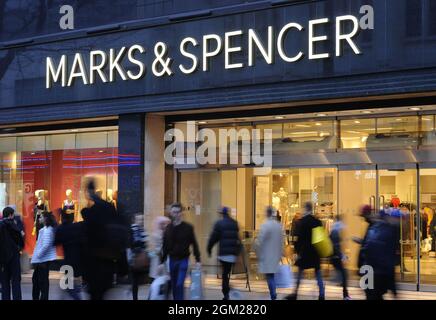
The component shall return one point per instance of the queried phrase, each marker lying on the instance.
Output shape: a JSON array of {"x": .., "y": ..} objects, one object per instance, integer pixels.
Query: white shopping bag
[
  {"x": 196, "y": 288},
  {"x": 284, "y": 277}
]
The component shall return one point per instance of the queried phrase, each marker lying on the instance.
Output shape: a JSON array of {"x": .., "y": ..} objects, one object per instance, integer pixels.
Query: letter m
[{"x": 53, "y": 74}]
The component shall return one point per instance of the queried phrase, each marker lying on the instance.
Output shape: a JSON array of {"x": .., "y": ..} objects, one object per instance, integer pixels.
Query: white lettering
[
  {"x": 188, "y": 55},
  {"x": 94, "y": 67},
  {"x": 140, "y": 64},
  {"x": 347, "y": 37},
  {"x": 52, "y": 76},
  {"x": 209, "y": 54},
  {"x": 77, "y": 63},
  {"x": 280, "y": 42},
  {"x": 313, "y": 39},
  {"x": 253, "y": 39},
  {"x": 229, "y": 50},
  {"x": 114, "y": 64}
]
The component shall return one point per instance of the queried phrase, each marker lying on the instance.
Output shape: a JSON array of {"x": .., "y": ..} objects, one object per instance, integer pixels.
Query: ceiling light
[
  {"x": 366, "y": 112},
  {"x": 415, "y": 108},
  {"x": 202, "y": 122},
  {"x": 356, "y": 122},
  {"x": 279, "y": 117},
  {"x": 318, "y": 124},
  {"x": 321, "y": 115},
  {"x": 101, "y": 151},
  {"x": 426, "y": 119}
]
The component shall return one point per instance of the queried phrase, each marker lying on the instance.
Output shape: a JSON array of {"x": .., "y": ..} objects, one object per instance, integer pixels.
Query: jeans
[
  {"x": 178, "y": 270},
  {"x": 271, "y": 285},
  {"x": 339, "y": 266},
  {"x": 318, "y": 279},
  {"x": 11, "y": 277},
  {"x": 227, "y": 269},
  {"x": 40, "y": 281}
]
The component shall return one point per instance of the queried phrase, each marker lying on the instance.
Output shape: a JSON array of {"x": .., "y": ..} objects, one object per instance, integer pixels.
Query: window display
[{"x": 47, "y": 172}]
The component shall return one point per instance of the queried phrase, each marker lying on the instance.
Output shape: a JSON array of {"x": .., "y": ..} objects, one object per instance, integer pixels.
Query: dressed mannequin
[
  {"x": 69, "y": 206},
  {"x": 275, "y": 201},
  {"x": 41, "y": 206}
]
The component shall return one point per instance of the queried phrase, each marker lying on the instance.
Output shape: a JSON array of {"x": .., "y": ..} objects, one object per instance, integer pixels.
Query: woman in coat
[
  {"x": 269, "y": 247},
  {"x": 43, "y": 255}
]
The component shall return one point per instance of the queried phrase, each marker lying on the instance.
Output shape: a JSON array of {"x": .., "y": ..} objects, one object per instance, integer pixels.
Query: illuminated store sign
[{"x": 111, "y": 65}]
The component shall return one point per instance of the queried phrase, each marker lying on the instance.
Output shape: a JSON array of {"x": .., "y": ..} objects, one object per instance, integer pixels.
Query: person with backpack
[
  {"x": 179, "y": 236},
  {"x": 138, "y": 256},
  {"x": 43, "y": 255},
  {"x": 226, "y": 233},
  {"x": 70, "y": 236},
  {"x": 308, "y": 257},
  {"x": 11, "y": 244}
]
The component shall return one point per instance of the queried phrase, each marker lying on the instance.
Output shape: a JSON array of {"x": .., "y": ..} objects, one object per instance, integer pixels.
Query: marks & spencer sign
[{"x": 318, "y": 39}]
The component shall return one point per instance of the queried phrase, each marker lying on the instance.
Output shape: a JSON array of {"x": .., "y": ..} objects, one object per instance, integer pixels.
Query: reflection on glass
[{"x": 355, "y": 132}]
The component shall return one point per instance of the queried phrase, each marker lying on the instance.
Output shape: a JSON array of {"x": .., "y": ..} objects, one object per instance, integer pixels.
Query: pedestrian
[
  {"x": 156, "y": 241},
  {"x": 178, "y": 238},
  {"x": 307, "y": 256},
  {"x": 366, "y": 214},
  {"x": 379, "y": 252},
  {"x": 71, "y": 237},
  {"x": 107, "y": 240},
  {"x": 338, "y": 258},
  {"x": 138, "y": 256},
  {"x": 269, "y": 244},
  {"x": 226, "y": 233},
  {"x": 43, "y": 255},
  {"x": 11, "y": 242}
]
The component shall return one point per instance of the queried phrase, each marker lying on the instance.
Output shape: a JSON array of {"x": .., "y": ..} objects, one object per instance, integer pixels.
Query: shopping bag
[
  {"x": 322, "y": 243},
  {"x": 284, "y": 277},
  {"x": 196, "y": 288}
]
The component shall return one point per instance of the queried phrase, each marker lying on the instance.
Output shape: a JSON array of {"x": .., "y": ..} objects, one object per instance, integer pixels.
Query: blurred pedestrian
[
  {"x": 269, "y": 251},
  {"x": 308, "y": 257},
  {"x": 71, "y": 237},
  {"x": 138, "y": 256},
  {"x": 338, "y": 258},
  {"x": 43, "y": 255},
  {"x": 226, "y": 233},
  {"x": 159, "y": 288},
  {"x": 11, "y": 244},
  {"x": 379, "y": 252},
  {"x": 156, "y": 241},
  {"x": 178, "y": 238},
  {"x": 366, "y": 214},
  {"x": 107, "y": 239}
]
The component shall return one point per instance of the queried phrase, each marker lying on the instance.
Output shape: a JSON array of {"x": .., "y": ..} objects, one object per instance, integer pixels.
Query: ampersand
[{"x": 161, "y": 51}]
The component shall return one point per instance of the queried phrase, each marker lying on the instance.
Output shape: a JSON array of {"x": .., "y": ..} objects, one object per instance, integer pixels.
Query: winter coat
[
  {"x": 45, "y": 249},
  {"x": 12, "y": 241},
  {"x": 71, "y": 237},
  {"x": 307, "y": 255},
  {"x": 226, "y": 232},
  {"x": 269, "y": 246}
]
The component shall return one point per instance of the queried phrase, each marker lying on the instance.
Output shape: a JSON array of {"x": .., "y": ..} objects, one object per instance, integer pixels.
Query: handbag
[
  {"x": 322, "y": 243},
  {"x": 140, "y": 261},
  {"x": 284, "y": 276}
]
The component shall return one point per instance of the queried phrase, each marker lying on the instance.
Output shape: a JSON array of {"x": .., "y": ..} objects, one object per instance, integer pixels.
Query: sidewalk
[{"x": 259, "y": 291}]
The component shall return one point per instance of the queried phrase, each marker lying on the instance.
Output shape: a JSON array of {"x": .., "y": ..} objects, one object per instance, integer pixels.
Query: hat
[{"x": 224, "y": 211}]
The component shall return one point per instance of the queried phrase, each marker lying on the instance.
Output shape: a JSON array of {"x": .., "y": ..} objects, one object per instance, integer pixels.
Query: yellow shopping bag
[{"x": 322, "y": 243}]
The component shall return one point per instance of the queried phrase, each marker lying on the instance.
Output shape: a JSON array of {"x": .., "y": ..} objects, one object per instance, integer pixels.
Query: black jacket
[
  {"x": 226, "y": 232},
  {"x": 71, "y": 237},
  {"x": 177, "y": 241},
  {"x": 11, "y": 240},
  {"x": 307, "y": 255}
]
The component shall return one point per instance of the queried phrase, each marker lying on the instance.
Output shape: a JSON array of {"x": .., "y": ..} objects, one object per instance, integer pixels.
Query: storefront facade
[{"x": 347, "y": 89}]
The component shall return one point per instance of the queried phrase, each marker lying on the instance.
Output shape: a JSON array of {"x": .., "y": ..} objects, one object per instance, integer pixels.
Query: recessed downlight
[
  {"x": 415, "y": 108},
  {"x": 279, "y": 117}
]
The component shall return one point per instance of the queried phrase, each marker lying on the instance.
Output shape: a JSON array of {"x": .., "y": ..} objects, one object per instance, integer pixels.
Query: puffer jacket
[{"x": 226, "y": 232}]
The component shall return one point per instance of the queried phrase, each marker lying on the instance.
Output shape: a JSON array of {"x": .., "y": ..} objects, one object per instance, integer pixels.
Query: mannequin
[
  {"x": 41, "y": 206},
  {"x": 69, "y": 206},
  {"x": 275, "y": 201}
]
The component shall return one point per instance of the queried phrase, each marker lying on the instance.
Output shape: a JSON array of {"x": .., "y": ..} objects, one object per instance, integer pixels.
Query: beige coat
[{"x": 269, "y": 246}]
